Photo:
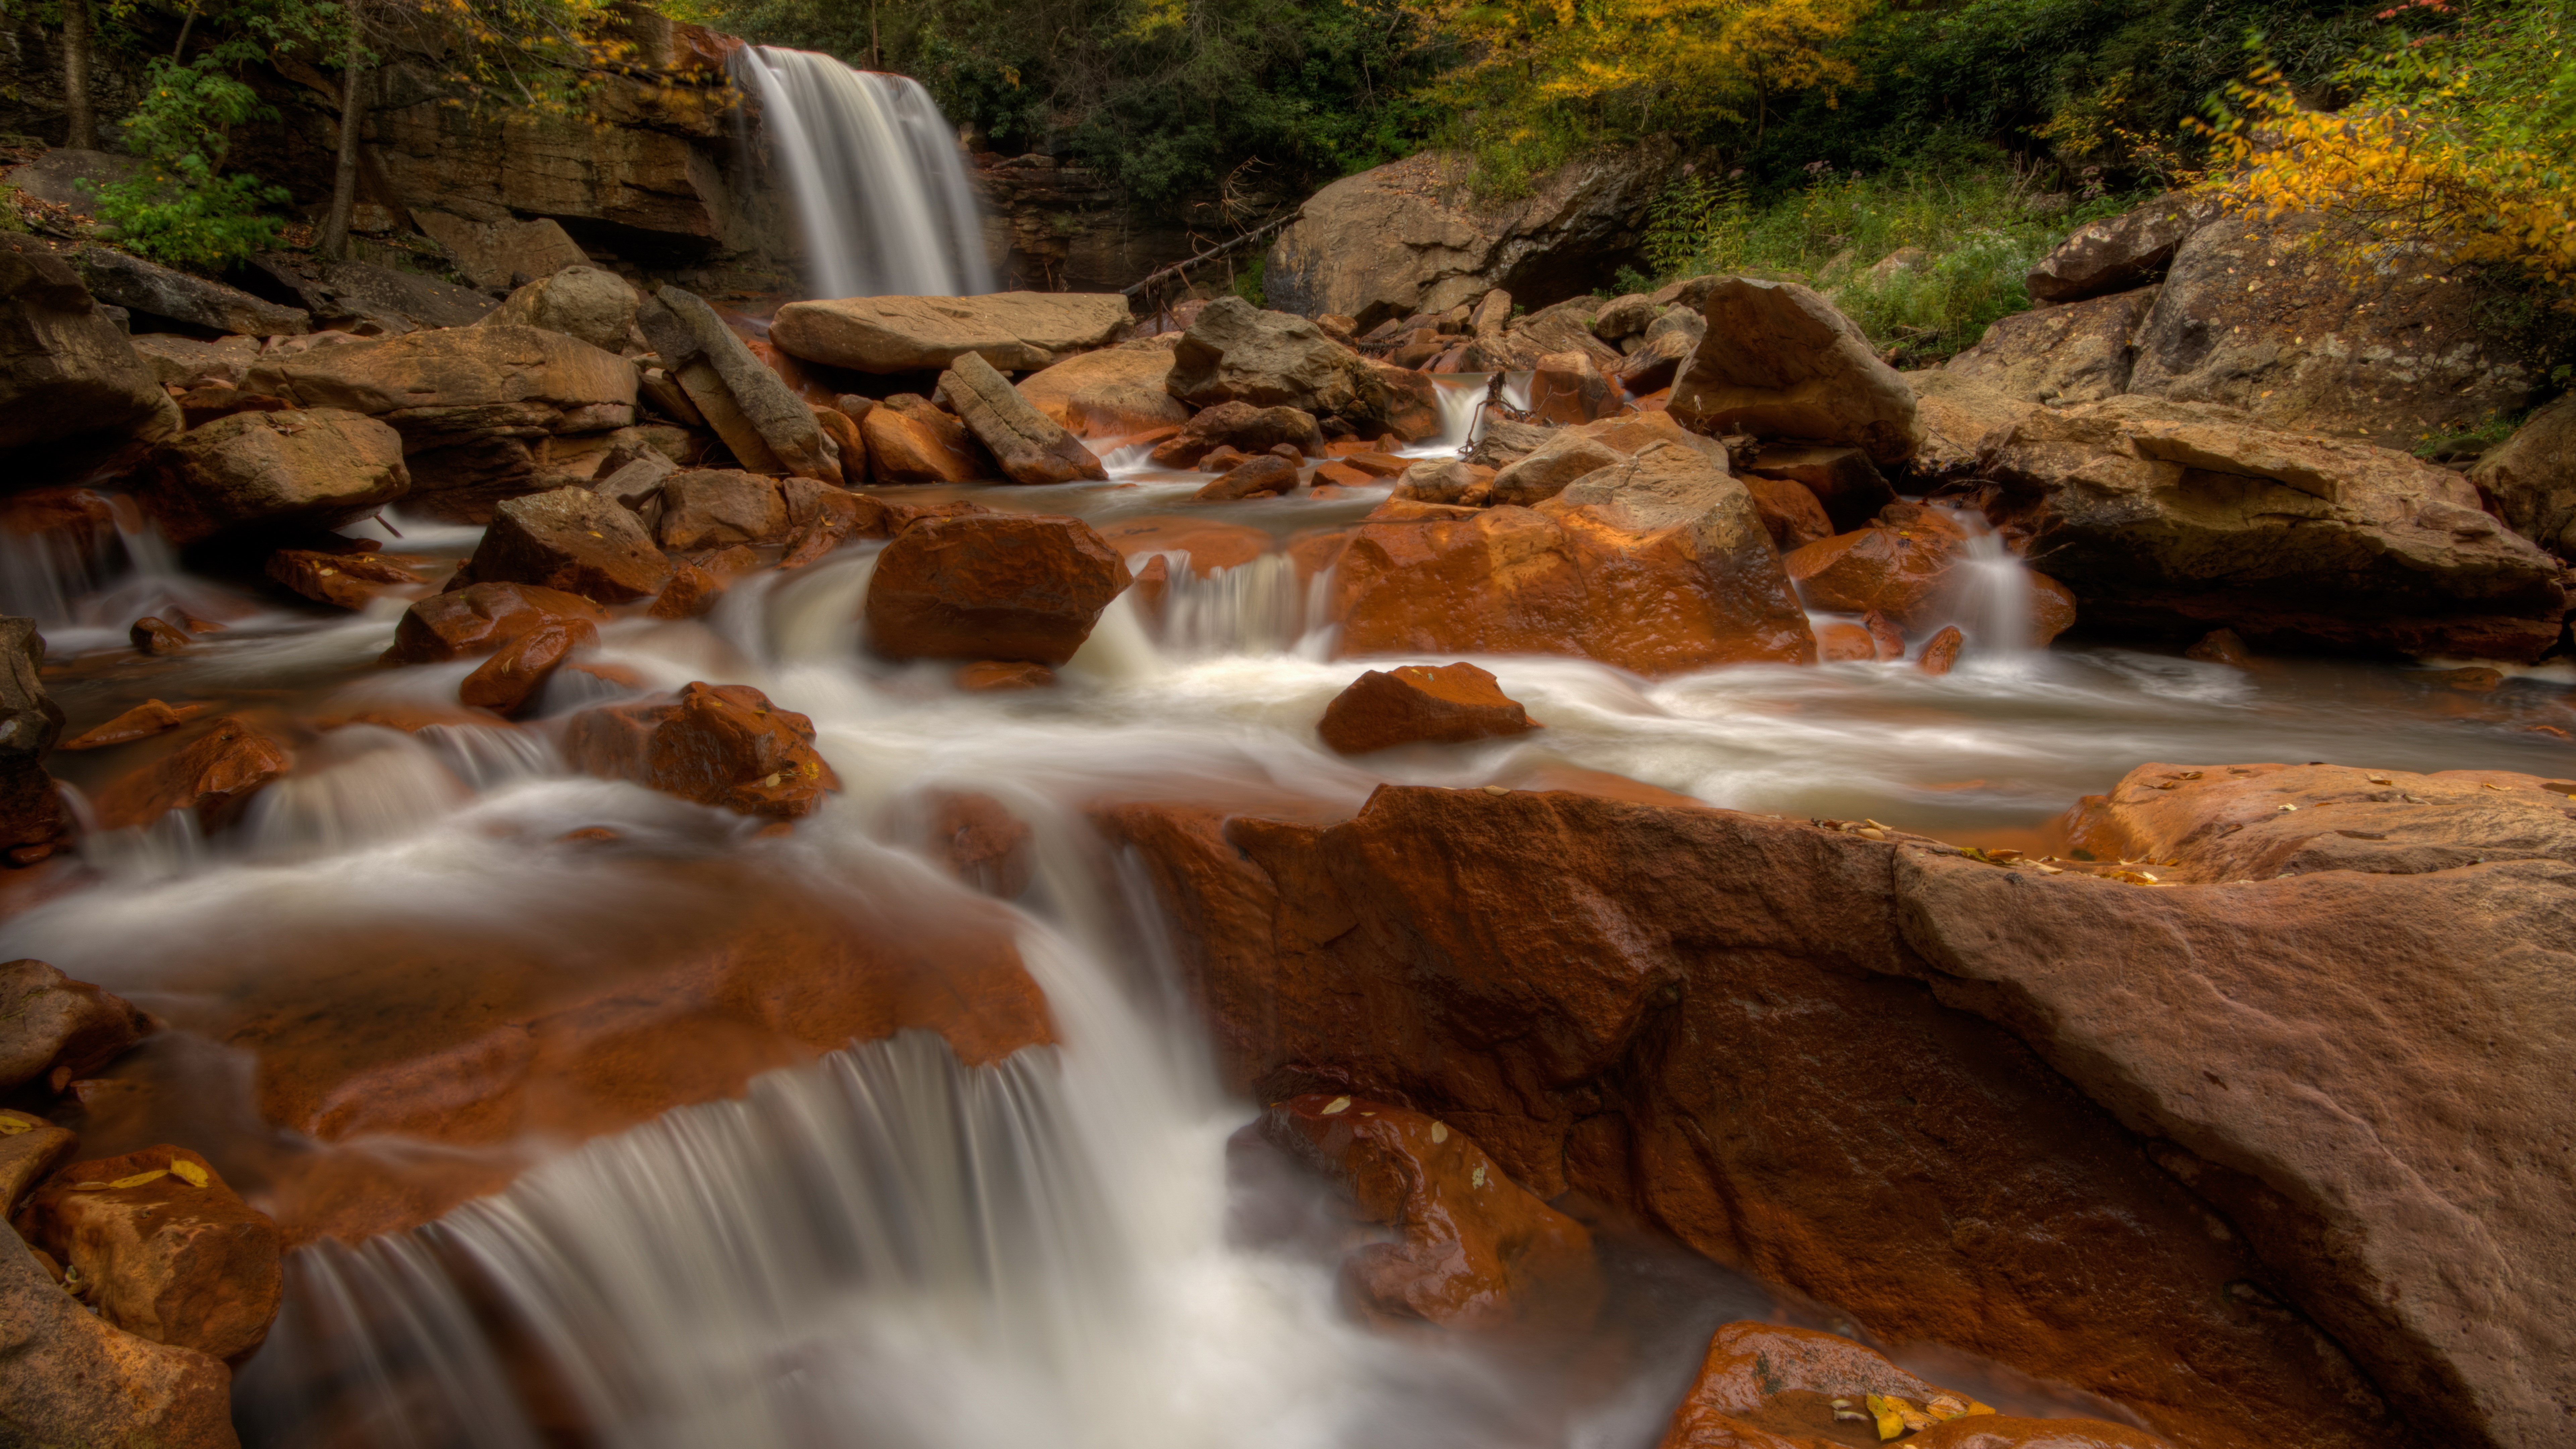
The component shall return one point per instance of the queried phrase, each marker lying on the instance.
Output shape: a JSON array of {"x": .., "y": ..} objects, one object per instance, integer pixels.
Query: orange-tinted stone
[
  {"x": 719, "y": 744},
  {"x": 214, "y": 775},
  {"x": 176, "y": 1258},
  {"x": 1420, "y": 703}
]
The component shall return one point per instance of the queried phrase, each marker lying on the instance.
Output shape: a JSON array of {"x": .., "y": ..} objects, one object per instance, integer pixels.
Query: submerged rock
[
  {"x": 991, "y": 586},
  {"x": 151, "y": 717},
  {"x": 1420, "y": 703},
  {"x": 1479, "y": 1252},
  {"x": 168, "y": 1251}
]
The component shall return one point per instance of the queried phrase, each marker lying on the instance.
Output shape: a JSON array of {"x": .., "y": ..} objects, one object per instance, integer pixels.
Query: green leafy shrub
[{"x": 178, "y": 208}]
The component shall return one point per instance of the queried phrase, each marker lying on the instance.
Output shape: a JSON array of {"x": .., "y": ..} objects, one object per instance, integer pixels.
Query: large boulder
[
  {"x": 188, "y": 360},
  {"x": 1410, "y": 238},
  {"x": 2530, "y": 478},
  {"x": 170, "y": 1252},
  {"x": 71, "y": 387},
  {"x": 266, "y": 472},
  {"x": 1242, "y": 427},
  {"x": 1030, "y": 446},
  {"x": 59, "y": 1030},
  {"x": 1235, "y": 352},
  {"x": 575, "y": 541},
  {"x": 2269, "y": 1163},
  {"x": 70, "y": 1378},
  {"x": 1110, "y": 393},
  {"x": 2078, "y": 353},
  {"x": 991, "y": 586},
  {"x": 769, "y": 428},
  {"x": 502, "y": 253},
  {"x": 580, "y": 301},
  {"x": 723, "y": 745},
  {"x": 1780, "y": 362},
  {"x": 475, "y": 620},
  {"x": 1014, "y": 331},
  {"x": 711, "y": 507},
  {"x": 34, "y": 821},
  {"x": 1659, "y": 564},
  {"x": 1912, "y": 566},
  {"x": 122, "y": 279},
  {"x": 2269, "y": 317},
  {"x": 364, "y": 294},
  {"x": 2118, "y": 253},
  {"x": 2178, "y": 518},
  {"x": 913, "y": 440},
  {"x": 1420, "y": 704},
  {"x": 1955, "y": 416}
]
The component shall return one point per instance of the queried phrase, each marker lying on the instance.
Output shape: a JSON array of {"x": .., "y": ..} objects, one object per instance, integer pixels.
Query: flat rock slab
[{"x": 1014, "y": 331}]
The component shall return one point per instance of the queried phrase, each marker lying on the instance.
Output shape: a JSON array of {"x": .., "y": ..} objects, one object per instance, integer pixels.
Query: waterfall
[
  {"x": 1996, "y": 606},
  {"x": 876, "y": 175}
]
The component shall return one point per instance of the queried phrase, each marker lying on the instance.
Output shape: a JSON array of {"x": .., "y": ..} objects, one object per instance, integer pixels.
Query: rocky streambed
[{"x": 634, "y": 874}]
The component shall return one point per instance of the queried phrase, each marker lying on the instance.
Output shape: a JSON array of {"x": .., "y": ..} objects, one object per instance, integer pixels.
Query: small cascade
[
  {"x": 876, "y": 175},
  {"x": 1257, "y": 607},
  {"x": 1996, "y": 603},
  {"x": 1462, "y": 403}
]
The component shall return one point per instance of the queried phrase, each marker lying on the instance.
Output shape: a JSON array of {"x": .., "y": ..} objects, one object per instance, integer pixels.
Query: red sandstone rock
[
  {"x": 53, "y": 1029},
  {"x": 145, "y": 720},
  {"x": 1889, "y": 639},
  {"x": 1790, "y": 514},
  {"x": 1419, "y": 703},
  {"x": 480, "y": 619},
  {"x": 61, "y": 1356},
  {"x": 1721, "y": 1023},
  {"x": 507, "y": 681},
  {"x": 711, "y": 507},
  {"x": 991, "y": 586},
  {"x": 573, "y": 540},
  {"x": 1479, "y": 1251},
  {"x": 1266, "y": 476},
  {"x": 691, "y": 592},
  {"x": 30, "y": 1149},
  {"x": 214, "y": 775},
  {"x": 158, "y": 636},
  {"x": 1569, "y": 388},
  {"x": 342, "y": 580},
  {"x": 1911, "y": 566},
  {"x": 1843, "y": 481},
  {"x": 1210, "y": 545},
  {"x": 171, "y": 1252},
  {"x": 980, "y": 841},
  {"x": 992, "y": 675},
  {"x": 1941, "y": 652},
  {"x": 918, "y": 443},
  {"x": 1844, "y": 644},
  {"x": 719, "y": 744}
]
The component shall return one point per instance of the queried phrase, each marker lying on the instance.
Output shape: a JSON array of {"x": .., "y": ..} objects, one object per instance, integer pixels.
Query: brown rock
[
  {"x": 70, "y": 1378},
  {"x": 769, "y": 428},
  {"x": 30, "y": 1149},
  {"x": 145, "y": 720},
  {"x": 2529, "y": 479},
  {"x": 1479, "y": 1252},
  {"x": 342, "y": 580},
  {"x": 991, "y": 586},
  {"x": 214, "y": 775},
  {"x": 1241, "y": 426},
  {"x": 1845, "y": 644},
  {"x": 1113, "y": 393},
  {"x": 1014, "y": 330},
  {"x": 2118, "y": 253},
  {"x": 1446, "y": 480},
  {"x": 71, "y": 387},
  {"x": 479, "y": 619},
  {"x": 1234, "y": 352},
  {"x": 1567, "y": 387},
  {"x": 1941, "y": 652},
  {"x": 844, "y": 432},
  {"x": 980, "y": 841},
  {"x": 1265, "y": 476},
  {"x": 1209, "y": 544},
  {"x": 1843, "y": 480},
  {"x": 1419, "y": 703},
  {"x": 34, "y": 821},
  {"x": 2078, "y": 353},
  {"x": 1954, "y": 418},
  {"x": 583, "y": 301},
  {"x": 260, "y": 470},
  {"x": 1544, "y": 473},
  {"x": 996, "y": 675},
  {"x": 911, "y": 441},
  {"x": 1780, "y": 362},
  {"x": 507, "y": 681},
  {"x": 690, "y": 594},
  {"x": 1889, "y": 639},
  {"x": 1909, "y": 571},
  {"x": 53, "y": 1029},
  {"x": 1790, "y": 513},
  {"x": 1659, "y": 565},
  {"x": 574, "y": 541},
  {"x": 2221, "y": 646},
  {"x": 158, "y": 636},
  {"x": 177, "y": 1258},
  {"x": 720, "y": 744},
  {"x": 1030, "y": 446},
  {"x": 709, "y": 508}
]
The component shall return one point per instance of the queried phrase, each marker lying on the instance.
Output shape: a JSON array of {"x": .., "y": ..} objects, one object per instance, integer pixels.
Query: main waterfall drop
[{"x": 877, "y": 178}]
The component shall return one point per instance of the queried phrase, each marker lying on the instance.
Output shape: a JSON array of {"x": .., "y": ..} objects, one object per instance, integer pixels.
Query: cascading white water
[{"x": 876, "y": 176}]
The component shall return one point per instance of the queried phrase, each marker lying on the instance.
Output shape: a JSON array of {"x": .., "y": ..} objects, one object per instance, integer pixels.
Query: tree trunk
[
  {"x": 334, "y": 241},
  {"x": 80, "y": 115}
]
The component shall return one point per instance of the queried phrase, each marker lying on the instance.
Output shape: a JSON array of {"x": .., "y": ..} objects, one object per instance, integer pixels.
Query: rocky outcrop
[
  {"x": 1420, "y": 704},
  {"x": 2179, "y": 518},
  {"x": 579, "y": 301},
  {"x": 56, "y": 1356},
  {"x": 2184, "y": 1147},
  {"x": 2119, "y": 253},
  {"x": 1478, "y": 1252},
  {"x": 2257, "y": 315},
  {"x": 768, "y": 427},
  {"x": 1030, "y": 446},
  {"x": 1658, "y": 565},
  {"x": 2529, "y": 479},
  {"x": 121, "y": 279},
  {"x": 1955, "y": 417},
  {"x": 2078, "y": 353},
  {"x": 71, "y": 388},
  {"x": 991, "y": 586},
  {"x": 1779, "y": 361},
  {"x": 34, "y": 821},
  {"x": 572, "y": 540},
  {"x": 1013, "y": 331},
  {"x": 386, "y": 300},
  {"x": 1111, "y": 393},
  {"x": 1235, "y": 352},
  {"x": 269, "y": 472},
  {"x": 59, "y": 1030},
  {"x": 168, "y": 1250},
  {"x": 723, "y": 745},
  {"x": 505, "y": 253},
  {"x": 1409, "y": 237}
]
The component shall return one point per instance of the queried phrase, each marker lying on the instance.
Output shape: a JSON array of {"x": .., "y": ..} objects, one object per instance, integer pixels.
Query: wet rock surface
[
  {"x": 480, "y": 618},
  {"x": 54, "y": 1029},
  {"x": 1417, "y": 704},
  {"x": 212, "y": 776},
  {"x": 170, "y": 1252},
  {"x": 719, "y": 744},
  {"x": 571, "y": 540},
  {"x": 255, "y": 471},
  {"x": 1005, "y": 587},
  {"x": 60, "y": 1354}
]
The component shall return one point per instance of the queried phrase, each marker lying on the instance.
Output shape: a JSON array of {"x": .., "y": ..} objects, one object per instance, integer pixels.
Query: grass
[{"x": 1978, "y": 233}]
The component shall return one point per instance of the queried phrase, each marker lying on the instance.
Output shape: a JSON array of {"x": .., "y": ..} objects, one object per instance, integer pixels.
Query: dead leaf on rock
[{"x": 187, "y": 1172}]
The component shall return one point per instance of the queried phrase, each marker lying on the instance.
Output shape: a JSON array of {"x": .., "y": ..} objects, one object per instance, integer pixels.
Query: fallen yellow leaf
[
  {"x": 137, "y": 1180},
  {"x": 11, "y": 1124},
  {"x": 187, "y": 1172}
]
